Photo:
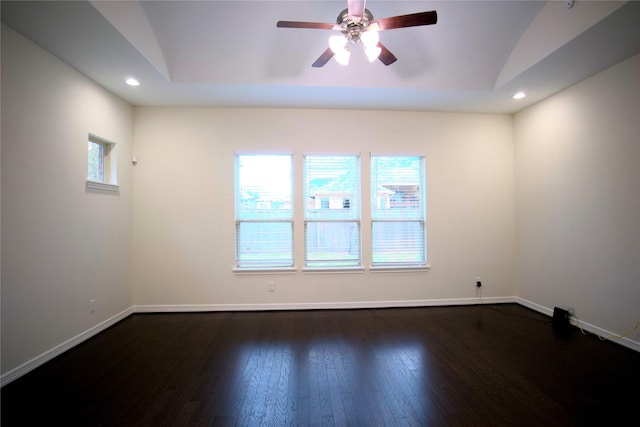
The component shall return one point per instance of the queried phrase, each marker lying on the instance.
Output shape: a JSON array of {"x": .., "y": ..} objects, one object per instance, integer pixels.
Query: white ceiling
[{"x": 230, "y": 53}]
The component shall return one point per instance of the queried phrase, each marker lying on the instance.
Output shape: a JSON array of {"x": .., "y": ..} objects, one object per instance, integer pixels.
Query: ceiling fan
[{"x": 356, "y": 24}]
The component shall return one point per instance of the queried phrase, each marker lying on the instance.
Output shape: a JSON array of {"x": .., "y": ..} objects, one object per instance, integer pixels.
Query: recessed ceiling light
[
  {"x": 132, "y": 82},
  {"x": 519, "y": 95}
]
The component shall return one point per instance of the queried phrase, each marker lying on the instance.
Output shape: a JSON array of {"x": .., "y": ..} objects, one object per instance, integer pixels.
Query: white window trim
[
  {"x": 398, "y": 268},
  {"x": 103, "y": 186},
  {"x": 324, "y": 270},
  {"x": 265, "y": 270}
]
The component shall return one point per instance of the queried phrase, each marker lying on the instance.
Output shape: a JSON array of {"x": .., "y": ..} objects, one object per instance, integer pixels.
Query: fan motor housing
[
  {"x": 352, "y": 28},
  {"x": 344, "y": 18}
]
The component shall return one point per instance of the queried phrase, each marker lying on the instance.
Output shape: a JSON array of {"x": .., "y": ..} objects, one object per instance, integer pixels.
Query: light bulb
[
  {"x": 372, "y": 53},
  {"x": 370, "y": 39},
  {"x": 337, "y": 43},
  {"x": 342, "y": 58}
]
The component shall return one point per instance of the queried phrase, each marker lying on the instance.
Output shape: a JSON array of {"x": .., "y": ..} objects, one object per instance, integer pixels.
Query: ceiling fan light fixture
[{"x": 357, "y": 25}]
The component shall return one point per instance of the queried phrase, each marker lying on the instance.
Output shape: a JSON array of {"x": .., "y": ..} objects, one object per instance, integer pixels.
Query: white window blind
[
  {"x": 264, "y": 213},
  {"x": 398, "y": 211},
  {"x": 332, "y": 210}
]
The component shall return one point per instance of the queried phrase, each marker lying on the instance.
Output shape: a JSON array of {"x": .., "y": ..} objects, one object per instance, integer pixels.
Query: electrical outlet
[
  {"x": 271, "y": 286},
  {"x": 478, "y": 282},
  {"x": 92, "y": 305}
]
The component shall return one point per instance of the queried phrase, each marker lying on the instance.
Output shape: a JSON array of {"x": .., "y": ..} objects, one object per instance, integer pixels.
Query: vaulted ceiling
[{"x": 230, "y": 53}]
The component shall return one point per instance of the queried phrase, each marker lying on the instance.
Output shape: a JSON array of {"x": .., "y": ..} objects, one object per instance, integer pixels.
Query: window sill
[
  {"x": 265, "y": 270},
  {"x": 321, "y": 270},
  {"x": 399, "y": 268},
  {"x": 103, "y": 186}
]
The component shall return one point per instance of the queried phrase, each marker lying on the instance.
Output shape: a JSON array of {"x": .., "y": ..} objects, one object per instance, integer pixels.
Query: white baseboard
[
  {"x": 537, "y": 307},
  {"x": 587, "y": 327},
  {"x": 30, "y": 365},
  {"x": 172, "y": 308}
]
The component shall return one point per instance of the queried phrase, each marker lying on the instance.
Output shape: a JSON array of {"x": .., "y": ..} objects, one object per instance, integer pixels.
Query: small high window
[{"x": 101, "y": 166}]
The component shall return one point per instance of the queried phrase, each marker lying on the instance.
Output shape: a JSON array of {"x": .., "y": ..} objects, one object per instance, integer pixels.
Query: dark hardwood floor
[{"x": 491, "y": 365}]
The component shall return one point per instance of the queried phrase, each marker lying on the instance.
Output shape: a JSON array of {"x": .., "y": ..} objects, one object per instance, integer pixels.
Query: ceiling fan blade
[
  {"x": 323, "y": 59},
  {"x": 312, "y": 25},
  {"x": 386, "y": 57},
  {"x": 411, "y": 20},
  {"x": 356, "y": 7}
]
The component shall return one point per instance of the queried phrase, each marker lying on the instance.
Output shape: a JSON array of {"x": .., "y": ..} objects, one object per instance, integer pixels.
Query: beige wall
[
  {"x": 183, "y": 204},
  {"x": 577, "y": 163},
  {"x": 61, "y": 245}
]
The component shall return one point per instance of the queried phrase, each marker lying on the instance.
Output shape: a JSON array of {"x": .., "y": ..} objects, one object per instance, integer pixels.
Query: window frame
[
  {"x": 258, "y": 266},
  {"x": 375, "y": 217},
  {"x": 364, "y": 220},
  {"x": 312, "y": 216},
  {"x": 109, "y": 165}
]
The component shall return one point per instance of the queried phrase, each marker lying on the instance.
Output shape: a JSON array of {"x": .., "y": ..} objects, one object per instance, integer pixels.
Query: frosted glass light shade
[
  {"x": 342, "y": 58},
  {"x": 372, "y": 53},
  {"x": 338, "y": 45},
  {"x": 370, "y": 39}
]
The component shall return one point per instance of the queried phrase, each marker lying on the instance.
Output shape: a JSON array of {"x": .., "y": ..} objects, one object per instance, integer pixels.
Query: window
[
  {"x": 264, "y": 214},
  {"x": 96, "y": 161},
  {"x": 398, "y": 211},
  {"x": 101, "y": 166},
  {"x": 332, "y": 211}
]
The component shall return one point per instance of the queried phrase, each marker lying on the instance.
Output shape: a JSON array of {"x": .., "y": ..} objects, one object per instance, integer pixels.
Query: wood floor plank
[{"x": 498, "y": 365}]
